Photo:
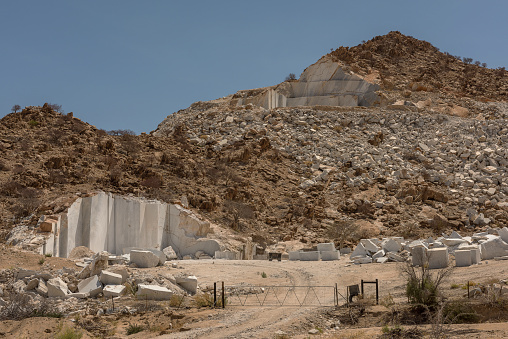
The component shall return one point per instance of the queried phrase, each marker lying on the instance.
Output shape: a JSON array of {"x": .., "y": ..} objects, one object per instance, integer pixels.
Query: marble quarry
[
  {"x": 325, "y": 83},
  {"x": 113, "y": 223}
]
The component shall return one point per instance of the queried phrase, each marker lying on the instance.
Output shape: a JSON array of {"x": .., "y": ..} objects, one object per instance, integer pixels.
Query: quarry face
[{"x": 113, "y": 223}]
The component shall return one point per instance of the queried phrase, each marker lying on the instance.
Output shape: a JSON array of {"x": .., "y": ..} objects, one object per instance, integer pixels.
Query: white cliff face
[
  {"x": 324, "y": 83},
  {"x": 106, "y": 222}
]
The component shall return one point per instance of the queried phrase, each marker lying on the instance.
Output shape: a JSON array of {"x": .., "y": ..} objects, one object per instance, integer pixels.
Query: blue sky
[{"x": 121, "y": 64}]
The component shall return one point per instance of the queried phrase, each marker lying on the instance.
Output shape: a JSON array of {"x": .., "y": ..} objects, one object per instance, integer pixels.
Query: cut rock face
[
  {"x": 100, "y": 221},
  {"x": 323, "y": 83}
]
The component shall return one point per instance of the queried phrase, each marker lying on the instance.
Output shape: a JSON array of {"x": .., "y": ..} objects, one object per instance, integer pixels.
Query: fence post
[
  {"x": 468, "y": 290},
  {"x": 362, "y": 287},
  {"x": 377, "y": 293},
  {"x": 215, "y": 294},
  {"x": 223, "y": 297}
]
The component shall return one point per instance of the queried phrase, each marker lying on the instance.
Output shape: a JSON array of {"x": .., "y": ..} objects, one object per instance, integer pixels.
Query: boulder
[
  {"x": 170, "y": 253},
  {"x": 294, "y": 255},
  {"x": 190, "y": 283},
  {"x": 22, "y": 273},
  {"x": 90, "y": 285},
  {"x": 113, "y": 291},
  {"x": 369, "y": 245},
  {"x": 110, "y": 278},
  {"x": 144, "y": 259},
  {"x": 122, "y": 270},
  {"x": 438, "y": 257},
  {"x": 310, "y": 256},
  {"x": 503, "y": 233},
  {"x": 359, "y": 252},
  {"x": 42, "y": 289},
  {"x": 99, "y": 263},
  {"x": 462, "y": 258},
  {"x": 153, "y": 292},
  {"x": 390, "y": 245},
  {"x": 495, "y": 247},
  {"x": 330, "y": 255},
  {"x": 329, "y": 246},
  {"x": 57, "y": 288},
  {"x": 395, "y": 257},
  {"x": 32, "y": 284},
  {"x": 19, "y": 287}
]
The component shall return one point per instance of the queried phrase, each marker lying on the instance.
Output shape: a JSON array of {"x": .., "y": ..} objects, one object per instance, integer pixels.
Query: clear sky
[{"x": 123, "y": 64}]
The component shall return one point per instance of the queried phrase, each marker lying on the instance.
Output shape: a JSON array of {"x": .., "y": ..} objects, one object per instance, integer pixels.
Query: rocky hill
[
  {"x": 407, "y": 65},
  {"x": 430, "y": 157}
]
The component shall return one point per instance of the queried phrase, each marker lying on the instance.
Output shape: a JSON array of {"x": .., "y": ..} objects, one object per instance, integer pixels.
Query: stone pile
[
  {"x": 467, "y": 251},
  {"x": 466, "y": 158},
  {"x": 98, "y": 277}
]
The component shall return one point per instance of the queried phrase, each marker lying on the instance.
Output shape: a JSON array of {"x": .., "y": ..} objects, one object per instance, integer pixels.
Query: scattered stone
[
  {"x": 57, "y": 288},
  {"x": 190, "y": 283},
  {"x": 90, "y": 285},
  {"x": 153, "y": 292},
  {"x": 170, "y": 253},
  {"x": 144, "y": 259},
  {"x": 110, "y": 278},
  {"x": 113, "y": 291}
]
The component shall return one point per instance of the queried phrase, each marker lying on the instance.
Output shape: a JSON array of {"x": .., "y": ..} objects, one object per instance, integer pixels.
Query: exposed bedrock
[
  {"x": 325, "y": 83},
  {"x": 107, "y": 222}
]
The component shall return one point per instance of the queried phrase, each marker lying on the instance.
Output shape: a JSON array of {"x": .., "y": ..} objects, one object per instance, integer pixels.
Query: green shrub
[
  {"x": 134, "y": 328},
  {"x": 263, "y": 275},
  {"x": 33, "y": 123},
  {"x": 423, "y": 284}
]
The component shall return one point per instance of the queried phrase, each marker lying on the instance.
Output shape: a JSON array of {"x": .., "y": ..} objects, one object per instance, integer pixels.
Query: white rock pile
[{"x": 492, "y": 244}]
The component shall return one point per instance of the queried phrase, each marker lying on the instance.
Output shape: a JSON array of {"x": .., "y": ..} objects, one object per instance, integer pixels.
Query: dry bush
[
  {"x": 115, "y": 175},
  {"x": 21, "y": 306},
  {"x": 57, "y": 177},
  {"x": 12, "y": 188},
  {"x": 154, "y": 181}
]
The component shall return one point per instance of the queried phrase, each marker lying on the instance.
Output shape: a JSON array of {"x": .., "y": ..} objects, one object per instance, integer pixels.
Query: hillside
[
  {"x": 406, "y": 65},
  {"x": 300, "y": 175}
]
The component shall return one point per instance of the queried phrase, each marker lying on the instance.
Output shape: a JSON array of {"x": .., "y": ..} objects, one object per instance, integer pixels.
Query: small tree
[
  {"x": 56, "y": 108},
  {"x": 291, "y": 76},
  {"x": 423, "y": 285},
  {"x": 15, "y": 108},
  {"x": 467, "y": 60}
]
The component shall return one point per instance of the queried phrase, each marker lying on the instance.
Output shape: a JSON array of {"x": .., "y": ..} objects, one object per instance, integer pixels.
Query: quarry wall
[
  {"x": 324, "y": 83},
  {"x": 107, "y": 222}
]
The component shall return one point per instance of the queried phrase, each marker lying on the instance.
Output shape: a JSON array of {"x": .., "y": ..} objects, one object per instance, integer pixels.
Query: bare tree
[
  {"x": 291, "y": 76},
  {"x": 56, "y": 108},
  {"x": 15, "y": 108}
]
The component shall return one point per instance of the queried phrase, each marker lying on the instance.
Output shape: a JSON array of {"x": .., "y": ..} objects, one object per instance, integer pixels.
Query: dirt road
[{"x": 264, "y": 322}]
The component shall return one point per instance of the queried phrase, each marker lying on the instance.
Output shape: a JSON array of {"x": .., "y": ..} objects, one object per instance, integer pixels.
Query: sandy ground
[
  {"x": 237, "y": 321},
  {"x": 264, "y": 322}
]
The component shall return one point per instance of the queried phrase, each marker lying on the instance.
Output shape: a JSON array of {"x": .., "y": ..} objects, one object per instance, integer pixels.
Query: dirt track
[{"x": 264, "y": 322}]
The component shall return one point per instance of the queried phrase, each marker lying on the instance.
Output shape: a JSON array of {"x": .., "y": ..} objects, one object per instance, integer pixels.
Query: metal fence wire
[{"x": 276, "y": 296}]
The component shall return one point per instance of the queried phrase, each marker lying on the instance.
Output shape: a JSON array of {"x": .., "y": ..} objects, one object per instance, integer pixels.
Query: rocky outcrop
[{"x": 325, "y": 83}]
